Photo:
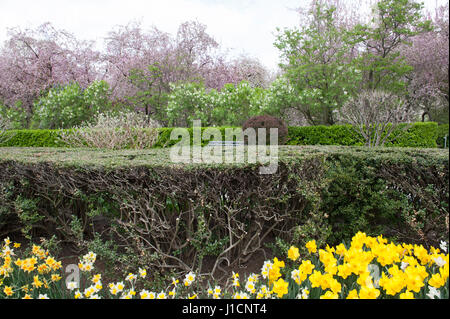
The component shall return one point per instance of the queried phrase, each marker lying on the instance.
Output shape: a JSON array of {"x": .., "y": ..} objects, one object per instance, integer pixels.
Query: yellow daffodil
[
  {"x": 293, "y": 253},
  {"x": 329, "y": 295},
  {"x": 8, "y": 291},
  {"x": 96, "y": 278},
  {"x": 407, "y": 295},
  {"x": 280, "y": 287},
  {"x": 36, "y": 282},
  {"x": 353, "y": 294},
  {"x": 368, "y": 292},
  {"x": 311, "y": 246}
]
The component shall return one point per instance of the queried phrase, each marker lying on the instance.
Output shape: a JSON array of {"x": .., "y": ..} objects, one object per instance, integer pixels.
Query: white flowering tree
[
  {"x": 70, "y": 105},
  {"x": 230, "y": 106}
]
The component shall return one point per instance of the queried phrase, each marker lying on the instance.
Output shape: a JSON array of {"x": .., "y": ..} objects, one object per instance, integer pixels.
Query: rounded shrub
[{"x": 267, "y": 122}]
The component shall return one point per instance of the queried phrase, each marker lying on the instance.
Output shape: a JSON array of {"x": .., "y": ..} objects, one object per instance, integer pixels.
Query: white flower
[
  {"x": 43, "y": 296},
  {"x": 127, "y": 295},
  {"x": 8, "y": 251},
  {"x": 404, "y": 265},
  {"x": 120, "y": 286},
  {"x": 130, "y": 277},
  {"x": 98, "y": 286},
  {"x": 266, "y": 268},
  {"x": 250, "y": 286},
  {"x": 439, "y": 261},
  {"x": 190, "y": 277},
  {"x": 71, "y": 285},
  {"x": 142, "y": 272},
  {"x": 90, "y": 291},
  {"x": 78, "y": 295},
  {"x": 145, "y": 294},
  {"x": 113, "y": 289},
  {"x": 303, "y": 294},
  {"x": 433, "y": 293},
  {"x": 90, "y": 257},
  {"x": 295, "y": 275},
  {"x": 161, "y": 295},
  {"x": 443, "y": 246}
]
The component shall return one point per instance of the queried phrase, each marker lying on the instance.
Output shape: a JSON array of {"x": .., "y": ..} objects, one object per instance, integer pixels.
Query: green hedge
[
  {"x": 427, "y": 134},
  {"x": 189, "y": 211},
  {"x": 323, "y": 135},
  {"x": 442, "y": 131},
  {"x": 32, "y": 138},
  {"x": 418, "y": 135}
]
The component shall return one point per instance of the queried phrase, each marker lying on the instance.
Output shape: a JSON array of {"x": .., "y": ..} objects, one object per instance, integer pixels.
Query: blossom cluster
[
  {"x": 369, "y": 268},
  {"x": 27, "y": 277}
]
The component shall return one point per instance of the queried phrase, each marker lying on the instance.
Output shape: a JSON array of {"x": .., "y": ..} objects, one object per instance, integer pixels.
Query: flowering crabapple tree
[
  {"x": 428, "y": 54},
  {"x": 33, "y": 61},
  {"x": 139, "y": 66},
  {"x": 142, "y": 65}
]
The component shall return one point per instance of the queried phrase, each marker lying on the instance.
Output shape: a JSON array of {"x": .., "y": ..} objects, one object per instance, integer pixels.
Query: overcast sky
[{"x": 244, "y": 26}]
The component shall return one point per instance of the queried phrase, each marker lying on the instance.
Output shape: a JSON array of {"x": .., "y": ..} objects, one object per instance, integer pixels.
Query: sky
[{"x": 241, "y": 26}]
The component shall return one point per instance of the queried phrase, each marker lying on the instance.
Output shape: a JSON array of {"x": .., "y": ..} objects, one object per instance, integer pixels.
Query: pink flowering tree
[
  {"x": 428, "y": 54},
  {"x": 142, "y": 65},
  {"x": 33, "y": 61}
]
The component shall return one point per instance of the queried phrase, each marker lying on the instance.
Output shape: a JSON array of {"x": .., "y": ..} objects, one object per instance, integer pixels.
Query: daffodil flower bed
[{"x": 368, "y": 268}]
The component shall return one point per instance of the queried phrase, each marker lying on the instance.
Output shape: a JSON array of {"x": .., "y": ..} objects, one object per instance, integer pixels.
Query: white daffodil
[
  {"x": 440, "y": 261},
  {"x": 433, "y": 293},
  {"x": 71, "y": 285},
  {"x": 443, "y": 246}
]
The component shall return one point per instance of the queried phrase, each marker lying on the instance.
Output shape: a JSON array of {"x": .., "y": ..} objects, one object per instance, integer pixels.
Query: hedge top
[{"x": 71, "y": 157}]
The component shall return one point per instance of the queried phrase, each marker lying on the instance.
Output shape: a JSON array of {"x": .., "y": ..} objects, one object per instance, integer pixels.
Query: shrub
[
  {"x": 267, "y": 122},
  {"x": 232, "y": 105},
  {"x": 417, "y": 135},
  {"x": 33, "y": 138},
  {"x": 176, "y": 216},
  {"x": 16, "y": 116},
  {"x": 114, "y": 131},
  {"x": 323, "y": 135},
  {"x": 70, "y": 105},
  {"x": 375, "y": 115}
]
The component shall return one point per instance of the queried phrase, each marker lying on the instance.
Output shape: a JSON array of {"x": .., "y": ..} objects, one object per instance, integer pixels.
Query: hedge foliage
[
  {"x": 175, "y": 216},
  {"x": 442, "y": 131},
  {"x": 427, "y": 135},
  {"x": 32, "y": 138}
]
